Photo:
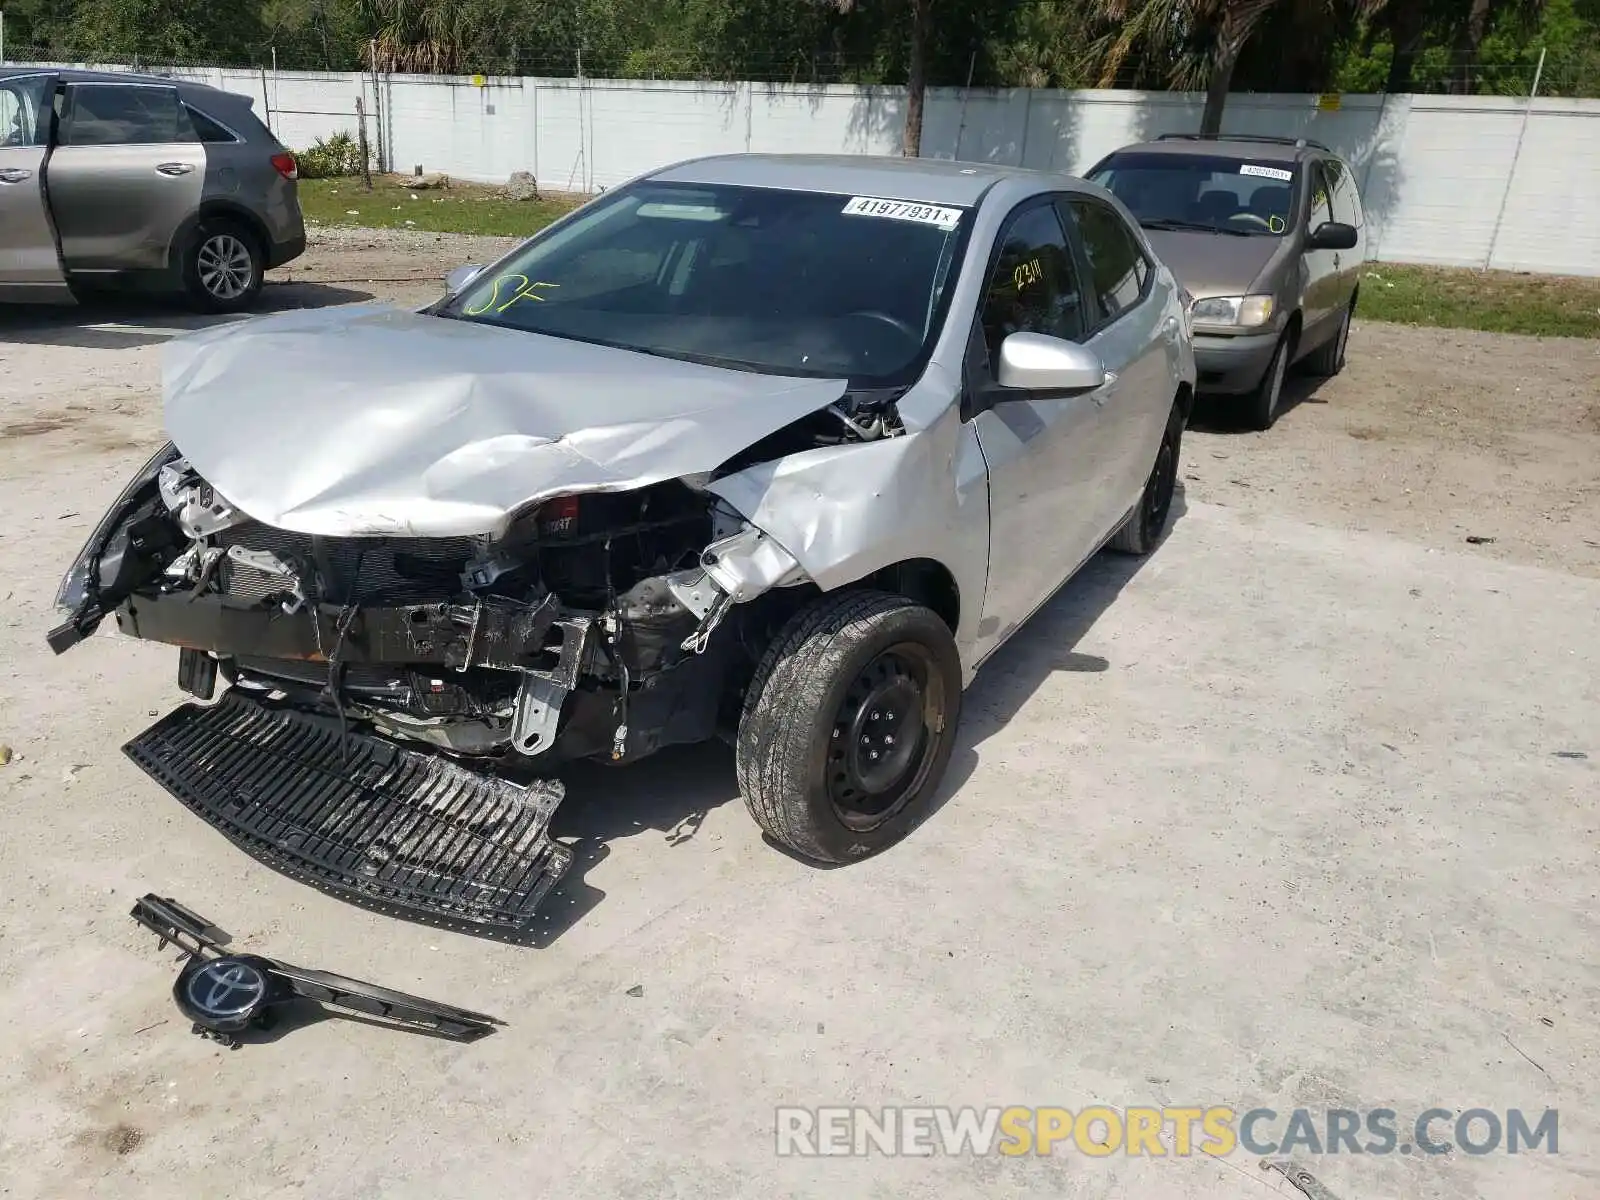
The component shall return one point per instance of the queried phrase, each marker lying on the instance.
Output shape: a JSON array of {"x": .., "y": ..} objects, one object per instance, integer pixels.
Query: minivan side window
[
  {"x": 1321, "y": 208},
  {"x": 116, "y": 114},
  {"x": 20, "y": 104},
  {"x": 1117, "y": 267},
  {"x": 1033, "y": 288},
  {"x": 1346, "y": 200}
]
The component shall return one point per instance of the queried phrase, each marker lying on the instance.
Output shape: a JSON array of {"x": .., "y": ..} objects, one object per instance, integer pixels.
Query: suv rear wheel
[
  {"x": 848, "y": 725},
  {"x": 223, "y": 268}
]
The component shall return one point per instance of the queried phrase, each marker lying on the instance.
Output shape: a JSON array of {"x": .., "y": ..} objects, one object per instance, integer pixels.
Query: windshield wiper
[{"x": 1196, "y": 226}]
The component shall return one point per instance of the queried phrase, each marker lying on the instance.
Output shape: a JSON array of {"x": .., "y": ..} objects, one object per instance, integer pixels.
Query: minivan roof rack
[{"x": 1242, "y": 137}]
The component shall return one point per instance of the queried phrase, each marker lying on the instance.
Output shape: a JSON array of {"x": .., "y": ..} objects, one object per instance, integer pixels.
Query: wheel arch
[{"x": 214, "y": 209}]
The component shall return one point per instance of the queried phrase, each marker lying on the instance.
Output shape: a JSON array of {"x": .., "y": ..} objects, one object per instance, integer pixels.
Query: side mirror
[
  {"x": 1332, "y": 235},
  {"x": 1036, "y": 362},
  {"x": 460, "y": 277}
]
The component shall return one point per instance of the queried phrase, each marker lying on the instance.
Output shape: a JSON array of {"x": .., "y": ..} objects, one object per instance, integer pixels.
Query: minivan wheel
[
  {"x": 1328, "y": 360},
  {"x": 1261, "y": 405},
  {"x": 1145, "y": 525},
  {"x": 223, "y": 268},
  {"x": 848, "y": 725}
]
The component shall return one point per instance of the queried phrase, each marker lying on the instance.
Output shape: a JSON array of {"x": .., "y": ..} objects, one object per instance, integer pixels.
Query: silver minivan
[{"x": 113, "y": 180}]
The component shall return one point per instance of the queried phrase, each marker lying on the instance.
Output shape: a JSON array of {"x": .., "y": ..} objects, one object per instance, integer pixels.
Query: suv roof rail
[{"x": 1243, "y": 137}]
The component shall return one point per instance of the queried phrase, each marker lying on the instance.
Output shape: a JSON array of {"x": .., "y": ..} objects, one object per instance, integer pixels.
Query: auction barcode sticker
[
  {"x": 903, "y": 210},
  {"x": 1266, "y": 172}
]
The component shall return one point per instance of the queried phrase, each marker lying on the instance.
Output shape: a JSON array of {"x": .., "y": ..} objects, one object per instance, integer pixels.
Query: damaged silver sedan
[{"x": 776, "y": 448}]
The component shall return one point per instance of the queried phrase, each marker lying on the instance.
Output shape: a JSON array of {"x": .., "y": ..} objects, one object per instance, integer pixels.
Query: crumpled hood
[{"x": 375, "y": 420}]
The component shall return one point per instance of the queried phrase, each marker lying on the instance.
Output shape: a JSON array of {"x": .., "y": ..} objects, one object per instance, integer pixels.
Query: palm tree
[{"x": 1197, "y": 43}]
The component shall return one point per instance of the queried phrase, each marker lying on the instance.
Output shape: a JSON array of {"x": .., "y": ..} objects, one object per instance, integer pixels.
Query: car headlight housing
[{"x": 1234, "y": 312}]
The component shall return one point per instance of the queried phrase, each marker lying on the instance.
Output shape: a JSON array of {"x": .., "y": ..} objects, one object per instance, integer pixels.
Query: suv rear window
[{"x": 1205, "y": 192}]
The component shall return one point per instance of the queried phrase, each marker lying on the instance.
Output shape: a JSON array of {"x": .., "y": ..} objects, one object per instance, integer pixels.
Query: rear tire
[
  {"x": 1142, "y": 531},
  {"x": 1328, "y": 359},
  {"x": 1261, "y": 405},
  {"x": 223, "y": 267},
  {"x": 848, "y": 725}
]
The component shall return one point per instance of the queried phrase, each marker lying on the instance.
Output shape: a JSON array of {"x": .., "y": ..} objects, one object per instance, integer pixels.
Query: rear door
[
  {"x": 30, "y": 262},
  {"x": 128, "y": 170}
]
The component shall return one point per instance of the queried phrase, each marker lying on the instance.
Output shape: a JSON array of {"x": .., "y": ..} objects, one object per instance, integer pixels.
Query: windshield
[
  {"x": 790, "y": 283},
  {"x": 1210, "y": 193}
]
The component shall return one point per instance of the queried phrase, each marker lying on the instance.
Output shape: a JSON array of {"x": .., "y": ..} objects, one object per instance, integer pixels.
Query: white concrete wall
[{"x": 1436, "y": 171}]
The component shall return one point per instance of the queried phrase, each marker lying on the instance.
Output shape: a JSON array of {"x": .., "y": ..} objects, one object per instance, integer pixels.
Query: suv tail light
[{"x": 286, "y": 166}]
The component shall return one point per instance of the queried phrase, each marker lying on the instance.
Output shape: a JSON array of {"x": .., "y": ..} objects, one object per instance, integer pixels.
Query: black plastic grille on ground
[{"x": 402, "y": 831}]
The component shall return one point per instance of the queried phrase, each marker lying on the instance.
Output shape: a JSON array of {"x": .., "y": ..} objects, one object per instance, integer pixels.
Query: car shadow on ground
[
  {"x": 126, "y": 322},
  {"x": 1225, "y": 414},
  {"x": 673, "y": 793}
]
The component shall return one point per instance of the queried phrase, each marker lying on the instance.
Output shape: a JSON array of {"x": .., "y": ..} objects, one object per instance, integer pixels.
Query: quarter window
[
  {"x": 1034, "y": 288},
  {"x": 206, "y": 128},
  {"x": 1117, "y": 267},
  {"x": 124, "y": 115}
]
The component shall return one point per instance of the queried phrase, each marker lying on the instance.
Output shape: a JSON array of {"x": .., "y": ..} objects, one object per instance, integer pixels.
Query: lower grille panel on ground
[{"x": 395, "y": 829}]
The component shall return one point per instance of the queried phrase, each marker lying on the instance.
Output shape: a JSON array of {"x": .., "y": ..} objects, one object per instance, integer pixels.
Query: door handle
[
  {"x": 1336, "y": 261},
  {"x": 14, "y": 174},
  {"x": 175, "y": 169}
]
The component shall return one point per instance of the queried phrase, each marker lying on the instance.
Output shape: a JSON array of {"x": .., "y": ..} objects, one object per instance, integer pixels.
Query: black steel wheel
[
  {"x": 848, "y": 725},
  {"x": 1145, "y": 525}
]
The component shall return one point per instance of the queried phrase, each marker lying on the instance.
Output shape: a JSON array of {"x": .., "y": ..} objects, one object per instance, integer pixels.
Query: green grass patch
[
  {"x": 1495, "y": 301},
  {"x": 459, "y": 208}
]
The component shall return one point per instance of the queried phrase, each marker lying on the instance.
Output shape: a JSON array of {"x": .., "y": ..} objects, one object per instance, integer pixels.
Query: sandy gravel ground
[{"x": 1298, "y": 812}]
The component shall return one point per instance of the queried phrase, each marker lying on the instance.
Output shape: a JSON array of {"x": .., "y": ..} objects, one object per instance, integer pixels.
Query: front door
[
  {"x": 30, "y": 264},
  {"x": 1322, "y": 266},
  {"x": 129, "y": 170},
  {"x": 1039, "y": 450}
]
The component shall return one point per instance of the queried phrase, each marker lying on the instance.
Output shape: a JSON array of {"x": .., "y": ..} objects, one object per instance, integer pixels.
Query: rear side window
[
  {"x": 101, "y": 114},
  {"x": 1117, "y": 267},
  {"x": 1033, "y": 288},
  {"x": 1346, "y": 199}
]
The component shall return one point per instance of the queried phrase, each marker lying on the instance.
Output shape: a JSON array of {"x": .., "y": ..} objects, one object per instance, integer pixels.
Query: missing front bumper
[{"x": 398, "y": 830}]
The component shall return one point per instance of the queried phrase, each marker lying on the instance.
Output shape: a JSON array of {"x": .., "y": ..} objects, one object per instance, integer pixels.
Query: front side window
[
  {"x": 1207, "y": 193},
  {"x": 22, "y": 104},
  {"x": 1346, "y": 200},
  {"x": 791, "y": 283},
  {"x": 1117, "y": 267},
  {"x": 1033, "y": 287},
  {"x": 116, "y": 114},
  {"x": 1321, "y": 209}
]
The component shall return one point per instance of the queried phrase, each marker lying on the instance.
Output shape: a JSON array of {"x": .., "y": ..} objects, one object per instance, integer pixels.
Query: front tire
[
  {"x": 1145, "y": 525},
  {"x": 1328, "y": 360},
  {"x": 849, "y": 724},
  {"x": 1261, "y": 405},
  {"x": 223, "y": 268}
]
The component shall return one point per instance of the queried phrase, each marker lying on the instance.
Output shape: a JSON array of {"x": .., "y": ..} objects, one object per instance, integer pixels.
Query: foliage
[{"x": 330, "y": 158}]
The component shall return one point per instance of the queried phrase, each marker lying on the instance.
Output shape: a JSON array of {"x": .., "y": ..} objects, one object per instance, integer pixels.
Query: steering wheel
[
  {"x": 904, "y": 327},
  {"x": 1250, "y": 216}
]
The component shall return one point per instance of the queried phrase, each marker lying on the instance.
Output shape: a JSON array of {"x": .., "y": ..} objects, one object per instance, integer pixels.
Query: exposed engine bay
[{"x": 586, "y": 630}]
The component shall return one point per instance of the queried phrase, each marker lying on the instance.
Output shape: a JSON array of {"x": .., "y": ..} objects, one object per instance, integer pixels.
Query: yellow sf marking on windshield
[
  {"x": 522, "y": 290},
  {"x": 1276, "y": 224},
  {"x": 1027, "y": 273}
]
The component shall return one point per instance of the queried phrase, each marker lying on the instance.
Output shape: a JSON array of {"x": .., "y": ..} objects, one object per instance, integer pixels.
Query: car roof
[
  {"x": 1238, "y": 145},
  {"x": 83, "y": 75},
  {"x": 919, "y": 180}
]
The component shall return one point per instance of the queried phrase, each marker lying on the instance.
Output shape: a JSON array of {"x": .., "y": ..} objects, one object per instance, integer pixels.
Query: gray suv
[
  {"x": 132, "y": 180},
  {"x": 1266, "y": 235}
]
